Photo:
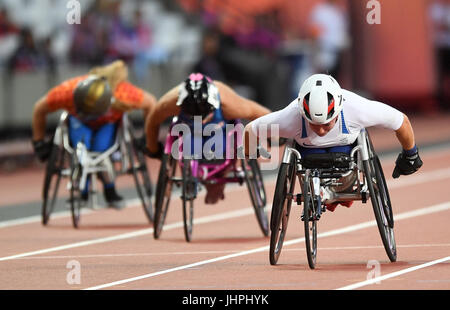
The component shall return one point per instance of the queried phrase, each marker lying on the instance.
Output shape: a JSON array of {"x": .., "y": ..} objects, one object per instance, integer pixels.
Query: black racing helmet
[{"x": 198, "y": 96}]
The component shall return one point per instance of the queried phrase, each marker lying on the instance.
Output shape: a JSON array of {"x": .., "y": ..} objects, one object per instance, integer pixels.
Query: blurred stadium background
[{"x": 263, "y": 48}]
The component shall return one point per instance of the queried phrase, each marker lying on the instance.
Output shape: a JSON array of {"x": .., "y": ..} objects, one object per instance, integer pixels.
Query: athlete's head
[
  {"x": 92, "y": 97},
  {"x": 320, "y": 99},
  {"x": 198, "y": 96}
]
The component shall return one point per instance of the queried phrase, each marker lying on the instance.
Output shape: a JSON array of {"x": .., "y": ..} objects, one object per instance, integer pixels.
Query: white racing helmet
[{"x": 320, "y": 99}]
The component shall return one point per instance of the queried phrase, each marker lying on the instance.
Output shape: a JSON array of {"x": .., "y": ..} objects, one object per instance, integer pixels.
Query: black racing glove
[
  {"x": 157, "y": 155},
  {"x": 407, "y": 163},
  {"x": 42, "y": 149}
]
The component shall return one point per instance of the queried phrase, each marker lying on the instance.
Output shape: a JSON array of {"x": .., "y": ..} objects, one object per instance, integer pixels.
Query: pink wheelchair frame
[{"x": 208, "y": 172}]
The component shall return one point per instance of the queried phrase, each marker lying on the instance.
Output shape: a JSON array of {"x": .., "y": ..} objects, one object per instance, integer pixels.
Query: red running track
[{"x": 116, "y": 249}]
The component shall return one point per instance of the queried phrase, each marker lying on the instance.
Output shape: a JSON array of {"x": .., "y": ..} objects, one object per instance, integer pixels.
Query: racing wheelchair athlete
[
  {"x": 209, "y": 103},
  {"x": 94, "y": 107},
  {"x": 333, "y": 157}
]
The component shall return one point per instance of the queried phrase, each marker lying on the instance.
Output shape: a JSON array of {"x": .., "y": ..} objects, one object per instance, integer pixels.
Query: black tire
[
  {"x": 310, "y": 222},
  {"x": 376, "y": 165},
  {"x": 257, "y": 192},
  {"x": 281, "y": 208},
  {"x": 52, "y": 179},
  {"x": 188, "y": 195},
  {"x": 384, "y": 191},
  {"x": 76, "y": 203},
  {"x": 381, "y": 203},
  {"x": 163, "y": 192},
  {"x": 144, "y": 186}
]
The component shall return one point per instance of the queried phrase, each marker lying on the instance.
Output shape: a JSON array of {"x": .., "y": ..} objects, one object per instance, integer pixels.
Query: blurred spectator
[
  {"x": 28, "y": 57},
  {"x": 123, "y": 35},
  {"x": 50, "y": 61},
  {"x": 329, "y": 30},
  {"x": 6, "y": 25},
  {"x": 89, "y": 38},
  {"x": 146, "y": 51},
  {"x": 244, "y": 49},
  {"x": 8, "y": 36},
  {"x": 264, "y": 35},
  {"x": 440, "y": 16},
  {"x": 209, "y": 63}
]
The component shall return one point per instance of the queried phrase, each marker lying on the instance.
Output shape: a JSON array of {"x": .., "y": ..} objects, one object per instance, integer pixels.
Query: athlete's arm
[
  {"x": 368, "y": 113},
  {"x": 373, "y": 113},
  {"x": 164, "y": 108},
  {"x": 41, "y": 147},
  {"x": 130, "y": 97},
  {"x": 235, "y": 106},
  {"x": 39, "y": 119},
  {"x": 287, "y": 122},
  {"x": 57, "y": 98},
  {"x": 408, "y": 161},
  {"x": 148, "y": 104},
  {"x": 405, "y": 134}
]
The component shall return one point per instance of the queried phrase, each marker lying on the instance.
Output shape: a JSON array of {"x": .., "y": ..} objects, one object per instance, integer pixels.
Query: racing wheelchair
[
  {"x": 76, "y": 164},
  {"x": 328, "y": 178},
  {"x": 198, "y": 172}
]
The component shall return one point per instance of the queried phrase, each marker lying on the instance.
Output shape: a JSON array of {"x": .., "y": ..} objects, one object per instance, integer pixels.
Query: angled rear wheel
[
  {"x": 144, "y": 186},
  {"x": 255, "y": 186},
  {"x": 381, "y": 202},
  {"x": 53, "y": 173},
  {"x": 281, "y": 208},
  {"x": 163, "y": 192}
]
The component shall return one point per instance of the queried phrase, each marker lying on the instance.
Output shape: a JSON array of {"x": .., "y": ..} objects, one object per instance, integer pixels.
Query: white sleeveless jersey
[{"x": 357, "y": 113}]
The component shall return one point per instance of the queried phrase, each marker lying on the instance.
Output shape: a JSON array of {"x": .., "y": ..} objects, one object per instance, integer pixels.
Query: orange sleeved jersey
[{"x": 126, "y": 97}]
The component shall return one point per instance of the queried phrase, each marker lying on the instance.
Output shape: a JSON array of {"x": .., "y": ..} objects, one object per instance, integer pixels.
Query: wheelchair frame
[
  {"x": 314, "y": 195},
  {"x": 84, "y": 163},
  {"x": 195, "y": 173}
]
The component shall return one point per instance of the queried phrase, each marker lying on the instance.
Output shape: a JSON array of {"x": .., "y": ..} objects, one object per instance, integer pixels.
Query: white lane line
[
  {"x": 423, "y": 177},
  {"x": 133, "y": 234},
  {"x": 204, "y": 262},
  {"x": 401, "y": 216},
  {"x": 344, "y": 248},
  {"x": 420, "y": 177},
  {"x": 394, "y": 274}
]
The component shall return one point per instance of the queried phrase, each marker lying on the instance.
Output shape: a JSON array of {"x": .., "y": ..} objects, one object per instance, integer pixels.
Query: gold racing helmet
[{"x": 92, "y": 97}]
